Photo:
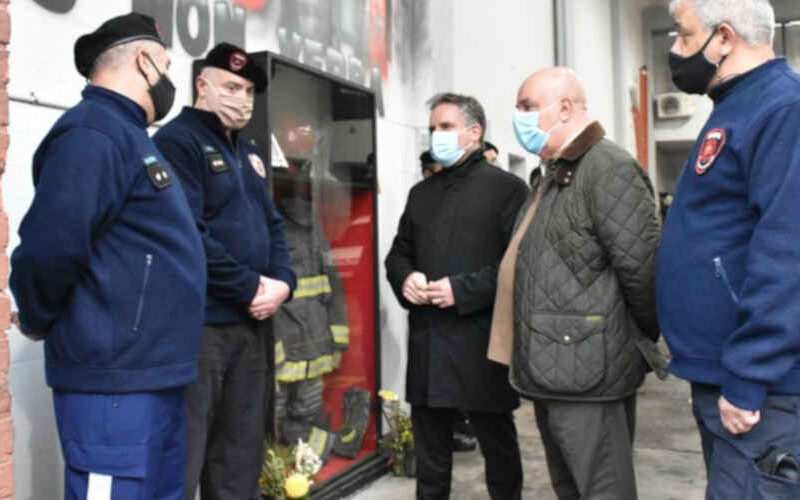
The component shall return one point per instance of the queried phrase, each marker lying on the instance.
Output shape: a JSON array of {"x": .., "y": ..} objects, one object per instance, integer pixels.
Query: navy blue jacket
[
  {"x": 110, "y": 264},
  {"x": 729, "y": 263},
  {"x": 244, "y": 235}
]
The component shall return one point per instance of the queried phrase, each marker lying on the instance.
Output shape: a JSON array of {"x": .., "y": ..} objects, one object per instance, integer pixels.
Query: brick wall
[{"x": 6, "y": 427}]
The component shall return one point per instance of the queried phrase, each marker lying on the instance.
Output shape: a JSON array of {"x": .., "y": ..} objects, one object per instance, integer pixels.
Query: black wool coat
[{"x": 456, "y": 224}]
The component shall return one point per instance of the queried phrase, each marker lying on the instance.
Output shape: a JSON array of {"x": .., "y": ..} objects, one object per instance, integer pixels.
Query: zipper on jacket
[
  {"x": 148, "y": 264},
  {"x": 719, "y": 272}
]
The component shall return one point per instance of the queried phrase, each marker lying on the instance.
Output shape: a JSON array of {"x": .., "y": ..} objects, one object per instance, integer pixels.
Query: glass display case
[{"x": 318, "y": 134}]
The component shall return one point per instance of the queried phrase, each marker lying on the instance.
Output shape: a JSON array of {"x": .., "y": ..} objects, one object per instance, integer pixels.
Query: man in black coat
[{"x": 443, "y": 268}]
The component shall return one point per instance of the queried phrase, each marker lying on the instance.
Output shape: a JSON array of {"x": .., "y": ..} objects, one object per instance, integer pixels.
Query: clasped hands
[
  {"x": 418, "y": 291},
  {"x": 269, "y": 298}
]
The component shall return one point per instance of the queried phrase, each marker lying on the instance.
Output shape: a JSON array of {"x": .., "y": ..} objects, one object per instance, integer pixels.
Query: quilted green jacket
[{"x": 584, "y": 298}]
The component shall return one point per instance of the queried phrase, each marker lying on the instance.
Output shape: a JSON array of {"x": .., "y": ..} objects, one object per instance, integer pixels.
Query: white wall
[
  {"x": 494, "y": 47},
  {"x": 589, "y": 44}
]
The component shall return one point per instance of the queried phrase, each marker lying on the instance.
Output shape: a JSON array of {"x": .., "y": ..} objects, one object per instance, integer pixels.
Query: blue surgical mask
[
  {"x": 445, "y": 149},
  {"x": 529, "y": 135}
]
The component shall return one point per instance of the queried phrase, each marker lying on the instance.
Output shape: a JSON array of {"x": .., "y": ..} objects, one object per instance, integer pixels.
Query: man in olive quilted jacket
[{"x": 576, "y": 290}]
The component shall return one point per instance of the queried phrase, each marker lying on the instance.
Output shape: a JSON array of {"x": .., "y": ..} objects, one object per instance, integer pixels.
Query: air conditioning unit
[{"x": 674, "y": 105}]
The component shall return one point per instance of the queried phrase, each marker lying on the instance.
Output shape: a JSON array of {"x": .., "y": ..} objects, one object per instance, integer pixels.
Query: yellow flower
[
  {"x": 387, "y": 395},
  {"x": 406, "y": 437},
  {"x": 296, "y": 486}
]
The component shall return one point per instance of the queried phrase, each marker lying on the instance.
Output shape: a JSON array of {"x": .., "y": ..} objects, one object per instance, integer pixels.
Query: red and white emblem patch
[
  {"x": 257, "y": 165},
  {"x": 237, "y": 61},
  {"x": 710, "y": 150}
]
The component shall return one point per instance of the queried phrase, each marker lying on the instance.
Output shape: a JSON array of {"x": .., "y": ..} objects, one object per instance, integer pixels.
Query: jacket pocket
[
  {"x": 148, "y": 264},
  {"x": 567, "y": 352},
  {"x": 719, "y": 272}
]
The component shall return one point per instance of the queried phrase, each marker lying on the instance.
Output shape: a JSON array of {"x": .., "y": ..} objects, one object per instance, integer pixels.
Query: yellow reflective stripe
[
  {"x": 317, "y": 440},
  {"x": 341, "y": 334},
  {"x": 349, "y": 436},
  {"x": 280, "y": 353},
  {"x": 292, "y": 371},
  {"x": 313, "y": 281},
  {"x": 313, "y": 286},
  {"x": 320, "y": 366}
]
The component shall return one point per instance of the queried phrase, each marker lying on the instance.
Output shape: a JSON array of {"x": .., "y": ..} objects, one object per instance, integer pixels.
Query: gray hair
[
  {"x": 119, "y": 55},
  {"x": 470, "y": 108},
  {"x": 753, "y": 20}
]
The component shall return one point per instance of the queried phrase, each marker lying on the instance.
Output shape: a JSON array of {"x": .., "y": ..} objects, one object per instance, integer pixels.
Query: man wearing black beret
[
  {"x": 110, "y": 271},
  {"x": 249, "y": 276}
]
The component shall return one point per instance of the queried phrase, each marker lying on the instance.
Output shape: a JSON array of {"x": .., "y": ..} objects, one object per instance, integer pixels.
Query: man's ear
[
  {"x": 476, "y": 133},
  {"x": 566, "y": 109},
  {"x": 727, "y": 38},
  {"x": 145, "y": 66}
]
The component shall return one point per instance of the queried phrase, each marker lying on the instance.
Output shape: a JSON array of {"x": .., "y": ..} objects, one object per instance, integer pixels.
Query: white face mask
[{"x": 234, "y": 112}]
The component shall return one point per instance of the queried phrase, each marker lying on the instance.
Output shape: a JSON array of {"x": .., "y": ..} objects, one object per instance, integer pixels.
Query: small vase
[
  {"x": 410, "y": 465},
  {"x": 398, "y": 465}
]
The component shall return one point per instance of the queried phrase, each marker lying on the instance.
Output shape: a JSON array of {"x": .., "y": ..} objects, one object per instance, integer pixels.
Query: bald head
[
  {"x": 551, "y": 84},
  {"x": 560, "y": 98}
]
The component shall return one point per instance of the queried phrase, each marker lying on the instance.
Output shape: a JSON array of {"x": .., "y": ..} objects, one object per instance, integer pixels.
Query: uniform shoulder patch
[
  {"x": 710, "y": 149},
  {"x": 258, "y": 165},
  {"x": 158, "y": 175},
  {"x": 216, "y": 163}
]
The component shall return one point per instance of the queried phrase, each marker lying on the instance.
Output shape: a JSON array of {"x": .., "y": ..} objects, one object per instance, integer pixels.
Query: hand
[
  {"x": 270, "y": 297},
  {"x": 36, "y": 337},
  {"x": 414, "y": 288},
  {"x": 440, "y": 293},
  {"x": 736, "y": 420}
]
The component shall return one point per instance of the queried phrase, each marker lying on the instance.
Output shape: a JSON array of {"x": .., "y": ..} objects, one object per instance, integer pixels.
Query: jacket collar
[
  {"x": 565, "y": 165},
  {"x": 212, "y": 122},
  {"x": 748, "y": 80},
  {"x": 128, "y": 108},
  {"x": 465, "y": 167}
]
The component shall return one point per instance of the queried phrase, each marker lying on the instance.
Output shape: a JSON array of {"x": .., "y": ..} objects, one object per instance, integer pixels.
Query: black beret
[
  {"x": 232, "y": 58},
  {"x": 115, "y": 31}
]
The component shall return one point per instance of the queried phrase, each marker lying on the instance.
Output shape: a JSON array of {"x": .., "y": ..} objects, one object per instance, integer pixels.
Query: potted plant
[
  {"x": 288, "y": 474},
  {"x": 398, "y": 442}
]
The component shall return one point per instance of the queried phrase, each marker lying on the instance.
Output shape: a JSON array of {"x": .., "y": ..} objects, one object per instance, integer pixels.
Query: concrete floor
[{"x": 669, "y": 465}]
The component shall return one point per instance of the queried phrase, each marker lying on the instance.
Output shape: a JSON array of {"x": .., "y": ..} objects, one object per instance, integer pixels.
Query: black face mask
[
  {"x": 162, "y": 93},
  {"x": 693, "y": 74}
]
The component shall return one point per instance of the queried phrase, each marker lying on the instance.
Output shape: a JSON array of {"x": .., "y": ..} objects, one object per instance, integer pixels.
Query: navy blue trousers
[
  {"x": 138, "y": 439},
  {"x": 731, "y": 460}
]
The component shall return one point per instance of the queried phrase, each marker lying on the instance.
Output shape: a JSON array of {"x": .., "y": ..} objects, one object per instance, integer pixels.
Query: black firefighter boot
[{"x": 351, "y": 437}]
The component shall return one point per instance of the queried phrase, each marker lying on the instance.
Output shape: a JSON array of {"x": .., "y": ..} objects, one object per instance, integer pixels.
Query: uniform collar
[
  {"x": 126, "y": 106},
  {"x": 745, "y": 80},
  {"x": 211, "y": 122}
]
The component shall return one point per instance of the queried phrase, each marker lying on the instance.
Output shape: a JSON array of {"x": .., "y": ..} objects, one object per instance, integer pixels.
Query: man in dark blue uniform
[
  {"x": 728, "y": 280},
  {"x": 110, "y": 271},
  {"x": 248, "y": 269}
]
